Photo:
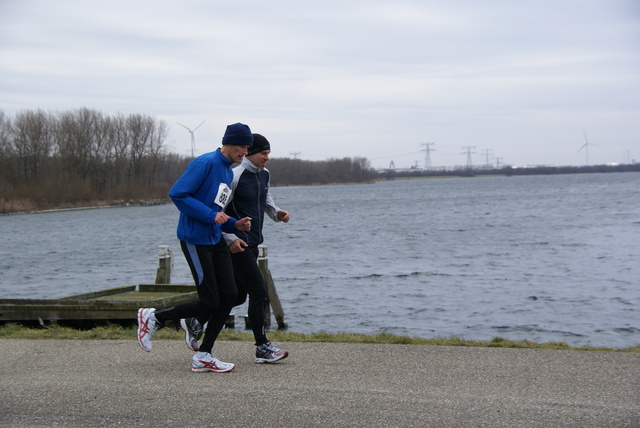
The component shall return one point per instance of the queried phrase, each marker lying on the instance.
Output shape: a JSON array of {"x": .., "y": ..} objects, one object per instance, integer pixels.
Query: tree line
[
  {"x": 83, "y": 156},
  {"x": 290, "y": 172},
  {"x": 390, "y": 174},
  {"x": 73, "y": 157}
]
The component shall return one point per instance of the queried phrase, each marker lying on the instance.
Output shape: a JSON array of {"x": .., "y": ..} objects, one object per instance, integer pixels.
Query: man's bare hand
[
  {"x": 237, "y": 246},
  {"x": 244, "y": 224},
  {"x": 221, "y": 218},
  {"x": 284, "y": 216}
]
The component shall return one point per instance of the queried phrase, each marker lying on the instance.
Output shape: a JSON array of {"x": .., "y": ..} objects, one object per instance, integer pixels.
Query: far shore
[{"x": 28, "y": 206}]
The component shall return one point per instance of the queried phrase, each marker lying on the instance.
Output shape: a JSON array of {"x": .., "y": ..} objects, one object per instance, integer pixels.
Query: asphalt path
[{"x": 79, "y": 383}]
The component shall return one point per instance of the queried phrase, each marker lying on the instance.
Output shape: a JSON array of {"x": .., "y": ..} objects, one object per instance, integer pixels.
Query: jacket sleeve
[
  {"x": 270, "y": 208},
  {"x": 183, "y": 191},
  {"x": 229, "y": 226},
  {"x": 229, "y": 237},
  {"x": 227, "y": 229}
]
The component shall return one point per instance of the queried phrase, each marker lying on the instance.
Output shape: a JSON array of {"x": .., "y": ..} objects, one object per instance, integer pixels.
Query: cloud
[{"x": 335, "y": 79}]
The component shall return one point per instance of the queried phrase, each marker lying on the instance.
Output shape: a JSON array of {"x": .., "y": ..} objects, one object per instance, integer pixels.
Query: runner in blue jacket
[
  {"x": 201, "y": 195},
  {"x": 250, "y": 198}
]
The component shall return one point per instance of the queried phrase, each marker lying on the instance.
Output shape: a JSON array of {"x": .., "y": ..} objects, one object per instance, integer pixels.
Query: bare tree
[
  {"x": 74, "y": 142},
  {"x": 120, "y": 148},
  {"x": 139, "y": 129},
  {"x": 157, "y": 140},
  {"x": 32, "y": 142},
  {"x": 7, "y": 167}
]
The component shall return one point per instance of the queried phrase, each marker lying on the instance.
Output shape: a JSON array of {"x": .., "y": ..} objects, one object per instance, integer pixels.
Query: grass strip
[{"x": 117, "y": 332}]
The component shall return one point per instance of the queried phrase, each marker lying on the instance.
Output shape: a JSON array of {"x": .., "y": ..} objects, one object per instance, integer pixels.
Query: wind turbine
[
  {"x": 586, "y": 145},
  {"x": 193, "y": 139}
]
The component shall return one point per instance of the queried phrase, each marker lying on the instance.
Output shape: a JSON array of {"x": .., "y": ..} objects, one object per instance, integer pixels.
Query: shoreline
[
  {"x": 160, "y": 201},
  {"x": 117, "y": 332},
  {"x": 114, "y": 204}
]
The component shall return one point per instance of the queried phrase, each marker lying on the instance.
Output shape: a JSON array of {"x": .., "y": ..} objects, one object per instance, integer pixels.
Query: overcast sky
[{"x": 514, "y": 82}]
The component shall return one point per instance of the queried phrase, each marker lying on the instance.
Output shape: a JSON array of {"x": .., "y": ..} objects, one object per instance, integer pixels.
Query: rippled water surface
[{"x": 544, "y": 258}]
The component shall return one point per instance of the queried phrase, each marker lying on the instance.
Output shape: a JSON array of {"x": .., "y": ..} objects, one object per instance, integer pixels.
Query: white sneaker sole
[
  {"x": 273, "y": 360},
  {"x": 209, "y": 369},
  {"x": 190, "y": 344}
]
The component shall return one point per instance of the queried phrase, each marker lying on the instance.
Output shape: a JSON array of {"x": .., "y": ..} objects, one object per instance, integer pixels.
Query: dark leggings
[
  {"x": 212, "y": 271},
  {"x": 249, "y": 281}
]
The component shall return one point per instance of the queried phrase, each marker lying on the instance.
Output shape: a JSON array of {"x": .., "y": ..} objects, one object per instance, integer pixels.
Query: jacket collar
[
  {"x": 248, "y": 165},
  {"x": 224, "y": 159}
]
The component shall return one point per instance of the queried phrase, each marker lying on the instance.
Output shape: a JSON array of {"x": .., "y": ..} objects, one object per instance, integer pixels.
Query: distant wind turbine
[
  {"x": 193, "y": 139},
  {"x": 586, "y": 145}
]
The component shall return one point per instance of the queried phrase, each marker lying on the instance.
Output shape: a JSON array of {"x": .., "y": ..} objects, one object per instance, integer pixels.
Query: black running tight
[{"x": 212, "y": 272}]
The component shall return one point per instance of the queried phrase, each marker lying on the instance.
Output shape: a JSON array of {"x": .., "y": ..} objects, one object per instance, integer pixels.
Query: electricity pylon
[
  {"x": 469, "y": 152},
  {"x": 427, "y": 156}
]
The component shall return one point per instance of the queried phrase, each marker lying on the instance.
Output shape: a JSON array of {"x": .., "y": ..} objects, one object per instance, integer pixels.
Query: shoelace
[
  {"x": 145, "y": 327},
  {"x": 267, "y": 347}
]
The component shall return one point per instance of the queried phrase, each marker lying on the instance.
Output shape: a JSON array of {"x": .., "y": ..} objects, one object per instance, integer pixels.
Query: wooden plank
[
  {"x": 107, "y": 305},
  {"x": 273, "y": 299},
  {"x": 95, "y": 294}
]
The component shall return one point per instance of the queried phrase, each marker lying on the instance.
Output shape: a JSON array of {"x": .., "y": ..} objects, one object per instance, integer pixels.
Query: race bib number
[{"x": 222, "y": 198}]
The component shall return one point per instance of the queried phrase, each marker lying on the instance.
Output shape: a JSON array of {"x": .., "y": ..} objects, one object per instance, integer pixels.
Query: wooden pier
[
  {"x": 273, "y": 301},
  {"x": 113, "y": 305},
  {"x": 120, "y": 305}
]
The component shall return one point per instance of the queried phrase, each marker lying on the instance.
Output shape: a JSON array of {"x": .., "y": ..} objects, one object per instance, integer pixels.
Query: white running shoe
[
  {"x": 210, "y": 364},
  {"x": 268, "y": 353},
  {"x": 146, "y": 328},
  {"x": 192, "y": 332}
]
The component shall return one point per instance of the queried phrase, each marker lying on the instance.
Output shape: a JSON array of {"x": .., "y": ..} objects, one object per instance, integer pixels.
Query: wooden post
[
  {"x": 272, "y": 294},
  {"x": 163, "y": 275}
]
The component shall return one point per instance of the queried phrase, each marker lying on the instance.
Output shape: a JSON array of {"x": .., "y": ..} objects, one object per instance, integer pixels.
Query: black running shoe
[
  {"x": 268, "y": 353},
  {"x": 192, "y": 332}
]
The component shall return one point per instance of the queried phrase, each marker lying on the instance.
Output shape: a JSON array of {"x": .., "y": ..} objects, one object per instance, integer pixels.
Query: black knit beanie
[{"x": 260, "y": 144}]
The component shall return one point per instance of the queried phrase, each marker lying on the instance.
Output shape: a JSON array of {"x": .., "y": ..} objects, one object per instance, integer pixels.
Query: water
[{"x": 543, "y": 258}]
